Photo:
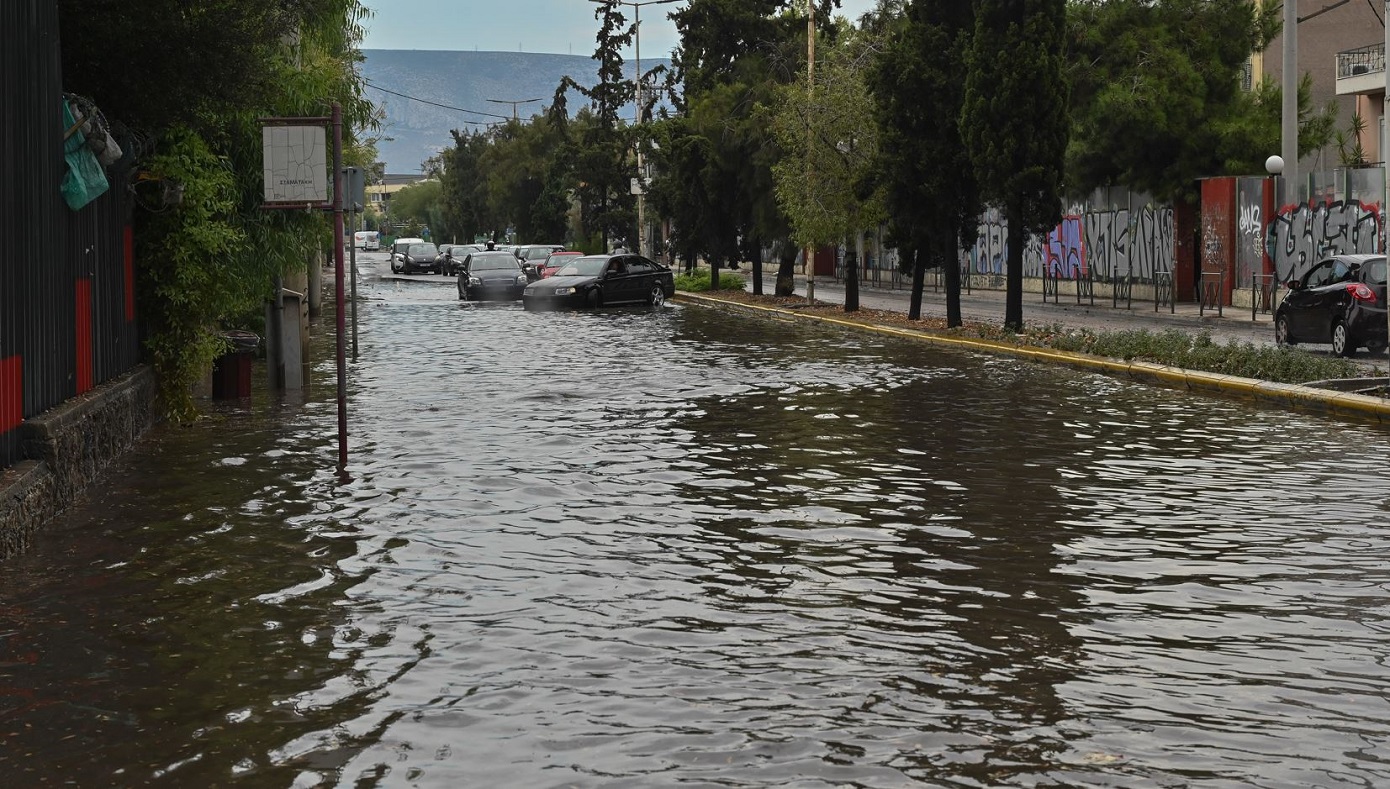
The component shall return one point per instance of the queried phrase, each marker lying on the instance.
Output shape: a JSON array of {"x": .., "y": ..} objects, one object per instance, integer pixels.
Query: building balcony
[{"x": 1361, "y": 71}]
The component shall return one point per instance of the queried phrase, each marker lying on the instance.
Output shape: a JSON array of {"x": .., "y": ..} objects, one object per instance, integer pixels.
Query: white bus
[{"x": 367, "y": 240}]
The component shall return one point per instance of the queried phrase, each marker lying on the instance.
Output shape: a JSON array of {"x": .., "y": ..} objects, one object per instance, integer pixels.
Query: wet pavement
[{"x": 641, "y": 548}]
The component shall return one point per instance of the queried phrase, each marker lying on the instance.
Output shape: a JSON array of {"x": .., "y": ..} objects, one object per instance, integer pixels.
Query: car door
[
  {"x": 643, "y": 277},
  {"x": 1303, "y": 304},
  {"x": 617, "y": 282}
]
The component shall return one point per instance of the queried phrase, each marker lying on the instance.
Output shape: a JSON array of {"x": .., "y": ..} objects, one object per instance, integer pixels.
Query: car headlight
[
  {"x": 521, "y": 280},
  {"x": 564, "y": 291},
  {"x": 474, "y": 281}
]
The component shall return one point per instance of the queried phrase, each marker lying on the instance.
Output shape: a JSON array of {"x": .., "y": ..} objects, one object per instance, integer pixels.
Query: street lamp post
[
  {"x": 515, "y": 115},
  {"x": 637, "y": 120}
]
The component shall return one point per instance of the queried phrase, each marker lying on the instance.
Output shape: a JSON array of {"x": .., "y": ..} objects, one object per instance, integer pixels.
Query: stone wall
[{"x": 66, "y": 449}]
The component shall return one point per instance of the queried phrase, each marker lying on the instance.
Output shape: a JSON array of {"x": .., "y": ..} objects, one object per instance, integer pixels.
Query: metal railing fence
[{"x": 67, "y": 308}]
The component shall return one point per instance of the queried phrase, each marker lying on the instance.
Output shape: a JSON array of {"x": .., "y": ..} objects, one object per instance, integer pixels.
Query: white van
[{"x": 367, "y": 240}]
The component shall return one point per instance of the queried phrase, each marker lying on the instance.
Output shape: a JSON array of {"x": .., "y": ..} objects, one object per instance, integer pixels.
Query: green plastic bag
[{"x": 84, "y": 181}]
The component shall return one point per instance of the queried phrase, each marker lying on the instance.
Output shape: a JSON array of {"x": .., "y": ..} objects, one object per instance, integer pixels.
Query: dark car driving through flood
[
  {"x": 602, "y": 280},
  {"x": 491, "y": 276}
]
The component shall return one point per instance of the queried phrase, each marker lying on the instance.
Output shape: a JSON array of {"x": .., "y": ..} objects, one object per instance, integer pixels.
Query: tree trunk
[
  {"x": 786, "y": 271},
  {"x": 917, "y": 264},
  {"x": 851, "y": 282},
  {"x": 714, "y": 263},
  {"x": 1013, "y": 293},
  {"x": 950, "y": 266},
  {"x": 852, "y": 273},
  {"x": 757, "y": 267}
]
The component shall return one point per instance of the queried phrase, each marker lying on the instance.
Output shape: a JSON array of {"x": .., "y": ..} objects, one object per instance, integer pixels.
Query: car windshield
[
  {"x": 583, "y": 267},
  {"x": 1375, "y": 271},
  {"x": 537, "y": 253},
  {"x": 494, "y": 262},
  {"x": 421, "y": 250}
]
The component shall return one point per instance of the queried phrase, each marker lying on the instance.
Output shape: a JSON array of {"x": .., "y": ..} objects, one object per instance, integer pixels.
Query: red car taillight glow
[{"x": 1361, "y": 292}]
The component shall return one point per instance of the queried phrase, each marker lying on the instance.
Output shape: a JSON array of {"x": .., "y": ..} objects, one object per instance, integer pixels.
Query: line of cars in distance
[{"x": 541, "y": 276}]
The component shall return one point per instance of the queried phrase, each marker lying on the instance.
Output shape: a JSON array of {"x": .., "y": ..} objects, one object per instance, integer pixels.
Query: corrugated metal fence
[{"x": 67, "y": 306}]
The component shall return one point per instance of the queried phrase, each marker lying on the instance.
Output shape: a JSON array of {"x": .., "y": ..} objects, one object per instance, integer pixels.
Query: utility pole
[{"x": 1289, "y": 134}]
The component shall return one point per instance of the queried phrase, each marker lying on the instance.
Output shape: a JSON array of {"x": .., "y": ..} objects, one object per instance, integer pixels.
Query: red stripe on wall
[
  {"x": 11, "y": 393},
  {"x": 129, "y": 273},
  {"x": 84, "y": 335}
]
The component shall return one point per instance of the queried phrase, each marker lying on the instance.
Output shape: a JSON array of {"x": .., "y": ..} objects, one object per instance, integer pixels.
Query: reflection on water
[{"x": 647, "y": 549}]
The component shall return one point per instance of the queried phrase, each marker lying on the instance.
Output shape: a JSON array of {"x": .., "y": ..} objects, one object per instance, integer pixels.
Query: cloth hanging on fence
[
  {"x": 85, "y": 180},
  {"x": 94, "y": 126}
]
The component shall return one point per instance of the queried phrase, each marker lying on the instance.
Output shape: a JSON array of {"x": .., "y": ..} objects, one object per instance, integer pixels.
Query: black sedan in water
[
  {"x": 1341, "y": 301},
  {"x": 491, "y": 276},
  {"x": 601, "y": 280},
  {"x": 416, "y": 257}
]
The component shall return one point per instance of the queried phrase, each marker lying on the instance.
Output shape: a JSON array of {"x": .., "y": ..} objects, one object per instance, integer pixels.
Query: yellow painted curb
[{"x": 1291, "y": 396}]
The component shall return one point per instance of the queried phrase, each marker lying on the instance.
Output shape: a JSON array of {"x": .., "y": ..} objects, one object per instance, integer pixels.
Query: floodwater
[{"x": 682, "y": 548}]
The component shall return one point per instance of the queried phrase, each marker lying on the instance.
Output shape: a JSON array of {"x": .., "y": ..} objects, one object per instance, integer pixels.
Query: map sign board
[{"x": 295, "y": 163}]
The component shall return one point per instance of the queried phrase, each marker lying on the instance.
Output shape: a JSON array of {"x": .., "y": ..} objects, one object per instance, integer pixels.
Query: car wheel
[
  {"x": 658, "y": 296},
  {"x": 1341, "y": 340},
  {"x": 1282, "y": 335},
  {"x": 394, "y": 268},
  {"x": 593, "y": 298}
]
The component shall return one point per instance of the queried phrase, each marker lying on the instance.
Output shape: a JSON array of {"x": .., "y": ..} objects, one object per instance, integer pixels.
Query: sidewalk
[{"x": 987, "y": 306}]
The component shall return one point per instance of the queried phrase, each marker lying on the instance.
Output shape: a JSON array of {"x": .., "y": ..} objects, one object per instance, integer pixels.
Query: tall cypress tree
[
  {"x": 931, "y": 193},
  {"x": 602, "y": 162},
  {"x": 1014, "y": 122}
]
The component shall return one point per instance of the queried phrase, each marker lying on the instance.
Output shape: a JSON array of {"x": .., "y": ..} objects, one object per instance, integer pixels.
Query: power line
[{"x": 435, "y": 103}]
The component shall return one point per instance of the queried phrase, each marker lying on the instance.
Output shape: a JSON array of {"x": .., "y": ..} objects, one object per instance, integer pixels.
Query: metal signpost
[{"x": 295, "y": 178}]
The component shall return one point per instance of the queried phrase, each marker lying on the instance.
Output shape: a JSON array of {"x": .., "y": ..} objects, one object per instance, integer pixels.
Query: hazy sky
[{"x": 565, "y": 27}]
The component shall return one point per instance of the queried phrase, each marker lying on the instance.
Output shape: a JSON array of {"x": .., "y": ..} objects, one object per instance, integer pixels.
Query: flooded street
[{"x": 636, "y": 548}]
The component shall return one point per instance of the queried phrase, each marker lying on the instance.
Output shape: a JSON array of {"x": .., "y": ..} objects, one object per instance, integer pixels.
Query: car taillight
[{"x": 1361, "y": 292}]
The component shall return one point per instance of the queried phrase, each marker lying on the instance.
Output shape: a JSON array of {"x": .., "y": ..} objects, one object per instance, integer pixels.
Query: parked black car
[
  {"x": 451, "y": 257},
  {"x": 1341, "y": 301},
  {"x": 602, "y": 280},
  {"x": 491, "y": 276},
  {"x": 417, "y": 257}
]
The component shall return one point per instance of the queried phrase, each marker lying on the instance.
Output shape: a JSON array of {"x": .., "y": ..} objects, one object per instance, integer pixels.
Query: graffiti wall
[
  {"x": 1114, "y": 233},
  {"x": 1300, "y": 235},
  {"x": 1249, "y": 228}
]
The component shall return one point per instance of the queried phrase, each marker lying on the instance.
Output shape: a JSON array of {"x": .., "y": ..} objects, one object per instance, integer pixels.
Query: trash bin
[{"x": 231, "y": 372}]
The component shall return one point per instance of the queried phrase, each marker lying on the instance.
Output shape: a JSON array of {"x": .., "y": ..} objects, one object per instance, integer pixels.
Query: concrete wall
[{"x": 67, "y": 449}]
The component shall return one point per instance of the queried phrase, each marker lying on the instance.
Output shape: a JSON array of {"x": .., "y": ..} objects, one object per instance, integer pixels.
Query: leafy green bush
[
  {"x": 699, "y": 281},
  {"x": 1177, "y": 348}
]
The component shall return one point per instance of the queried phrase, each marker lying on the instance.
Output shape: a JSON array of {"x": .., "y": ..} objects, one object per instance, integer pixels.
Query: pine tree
[
  {"x": 1014, "y": 122},
  {"x": 931, "y": 193}
]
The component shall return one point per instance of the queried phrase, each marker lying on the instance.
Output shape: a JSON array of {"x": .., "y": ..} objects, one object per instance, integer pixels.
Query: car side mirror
[{"x": 1293, "y": 284}]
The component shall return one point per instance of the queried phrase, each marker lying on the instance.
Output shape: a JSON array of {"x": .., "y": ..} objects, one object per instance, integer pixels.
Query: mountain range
[{"x": 425, "y": 94}]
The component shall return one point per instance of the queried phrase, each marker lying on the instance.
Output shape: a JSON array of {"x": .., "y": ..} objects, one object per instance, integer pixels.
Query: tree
[
  {"x": 194, "y": 110},
  {"x": 824, "y": 183},
  {"x": 602, "y": 166},
  {"x": 1014, "y": 122},
  {"x": 1157, "y": 97},
  {"x": 420, "y": 203},
  {"x": 930, "y": 192},
  {"x": 461, "y": 185},
  {"x": 733, "y": 57}
]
